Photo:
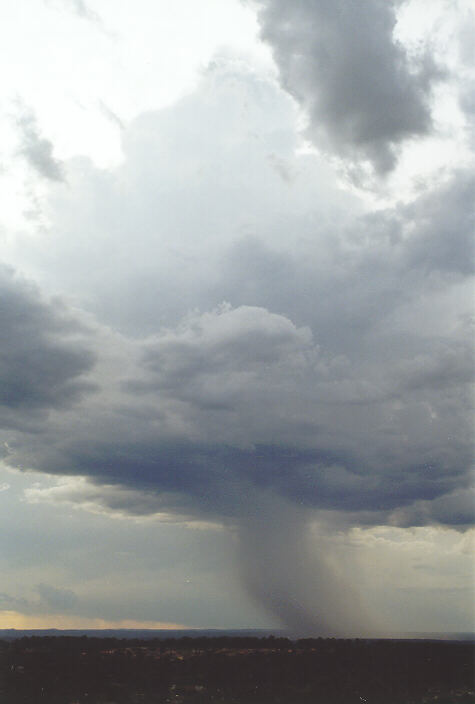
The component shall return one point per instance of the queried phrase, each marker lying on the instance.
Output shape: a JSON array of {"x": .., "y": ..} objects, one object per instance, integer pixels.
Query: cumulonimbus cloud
[
  {"x": 337, "y": 377},
  {"x": 240, "y": 399},
  {"x": 274, "y": 348}
]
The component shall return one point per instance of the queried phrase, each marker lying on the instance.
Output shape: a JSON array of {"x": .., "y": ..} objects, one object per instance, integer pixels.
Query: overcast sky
[{"x": 236, "y": 314}]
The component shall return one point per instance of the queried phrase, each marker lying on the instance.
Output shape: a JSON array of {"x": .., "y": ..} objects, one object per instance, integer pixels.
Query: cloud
[
  {"x": 43, "y": 359},
  {"x": 7, "y": 602},
  {"x": 56, "y": 598},
  {"x": 336, "y": 376},
  {"x": 37, "y": 150},
  {"x": 82, "y": 10},
  {"x": 184, "y": 207},
  {"x": 260, "y": 346},
  {"x": 362, "y": 94},
  {"x": 111, "y": 115},
  {"x": 445, "y": 220},
  {"x": 217, "y": 352},
  {"x": 457, "y": 508},
  {"x": 238, "y": 401},
  {"x": 49, "y": 598},
  {"x": 109, "y": 499}
]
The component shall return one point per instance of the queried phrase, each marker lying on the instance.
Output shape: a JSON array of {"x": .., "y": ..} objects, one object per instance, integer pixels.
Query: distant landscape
[
  {"x": 149, "y": 633},
  {"x": 96, "y": 668}
]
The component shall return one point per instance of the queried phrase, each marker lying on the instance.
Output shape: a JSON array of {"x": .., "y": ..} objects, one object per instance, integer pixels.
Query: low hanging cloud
[
  {"x": 339, "y": 59},
  {"x": 56, "y": 598},
  {"x": 48, "y": 598},
  {"x": 240, "y": 400}
]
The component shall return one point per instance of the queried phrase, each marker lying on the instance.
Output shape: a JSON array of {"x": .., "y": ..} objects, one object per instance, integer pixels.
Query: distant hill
[
  {"x": 142, "y": 634},
  {"x": 148, "y": 633}
]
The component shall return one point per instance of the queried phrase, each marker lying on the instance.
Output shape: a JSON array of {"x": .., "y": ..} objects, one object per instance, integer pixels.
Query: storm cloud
[
  {"x": 336, "y": 377},
  {"x": 239, "y": 400},
  {"x": 263, "y": 349},
  {"x": 43, "y": 360}
]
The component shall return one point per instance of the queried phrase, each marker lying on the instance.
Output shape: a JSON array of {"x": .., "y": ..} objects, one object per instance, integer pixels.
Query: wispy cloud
[{"x": 38, "y": 150}]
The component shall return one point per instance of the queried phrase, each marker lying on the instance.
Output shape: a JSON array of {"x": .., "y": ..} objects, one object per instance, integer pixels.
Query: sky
[{"x": 236, "y": 305}]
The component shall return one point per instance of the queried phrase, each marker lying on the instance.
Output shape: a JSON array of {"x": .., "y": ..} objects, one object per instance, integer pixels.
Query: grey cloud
[
  {"x": 49, "y": 598},
  {"x": 111, "y": 115},
  {"x": 456, "y": 508},
  {"x": 339, "y": 60},
  {"x": 184, "y": 209},
  {"x": 466, "y": 29},
  {"x": 9, "y": 602},
  {"x": 103, "y": 498},
  {"x": 467, "y": 101},
  {"x": 82, "y": 10},
  {"x": 282, "y": 167},
  {"x": 360, "y": 273},
  {"x": 56, "y": 598},
  {"x": 442, "y": 366},
  {"x": 335, "y": 378},
  {"x": 215, "y": 482},
  {"x": 445, "y": 223},
  {"x": 41, "y": 359},
  {"x": 37, "y": 150},
  {"x": 222, "y": 349},
  {"x": 333, "y": 383},
  {"x": 464, "y": 76},
  {"x": 240, "y": 400}
]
